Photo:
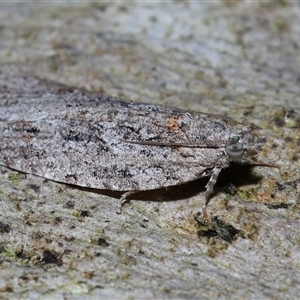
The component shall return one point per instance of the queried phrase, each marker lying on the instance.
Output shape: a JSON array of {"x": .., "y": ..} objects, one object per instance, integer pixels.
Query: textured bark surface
[{"x": 230, "y": 58}]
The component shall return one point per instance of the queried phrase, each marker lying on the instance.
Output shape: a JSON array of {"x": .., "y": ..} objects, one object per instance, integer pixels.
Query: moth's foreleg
[{"x": 210, "y": 187}]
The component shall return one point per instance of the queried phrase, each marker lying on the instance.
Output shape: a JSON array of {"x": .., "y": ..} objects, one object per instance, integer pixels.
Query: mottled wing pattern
[{"x": 96, "y": 141}]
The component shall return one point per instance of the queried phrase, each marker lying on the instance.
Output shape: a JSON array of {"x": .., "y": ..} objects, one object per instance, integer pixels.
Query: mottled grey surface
[{"x": 236, "y": 59}]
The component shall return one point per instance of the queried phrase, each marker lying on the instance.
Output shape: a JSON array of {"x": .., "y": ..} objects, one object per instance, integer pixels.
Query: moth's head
[{"x": 242, "y": 147}]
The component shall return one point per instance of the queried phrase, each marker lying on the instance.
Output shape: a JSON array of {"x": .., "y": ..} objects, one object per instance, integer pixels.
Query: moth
[{"x": 91, "y": 140}]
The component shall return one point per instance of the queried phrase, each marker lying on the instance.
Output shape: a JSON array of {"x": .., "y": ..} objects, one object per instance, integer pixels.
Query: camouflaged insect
[{"x": 102, "y": 142}]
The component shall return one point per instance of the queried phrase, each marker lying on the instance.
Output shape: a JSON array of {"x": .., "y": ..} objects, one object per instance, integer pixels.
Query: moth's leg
[
  {"x": 124, "y": 199},
  {"x": 210, "y": 187}
]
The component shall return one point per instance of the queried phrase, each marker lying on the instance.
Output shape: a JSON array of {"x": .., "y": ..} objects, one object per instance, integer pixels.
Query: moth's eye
[{"x": 235, "y": 150}]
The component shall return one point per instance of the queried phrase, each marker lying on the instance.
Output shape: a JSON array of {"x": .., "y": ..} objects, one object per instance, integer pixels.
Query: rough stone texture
[{"x": 239, "y": 59}]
